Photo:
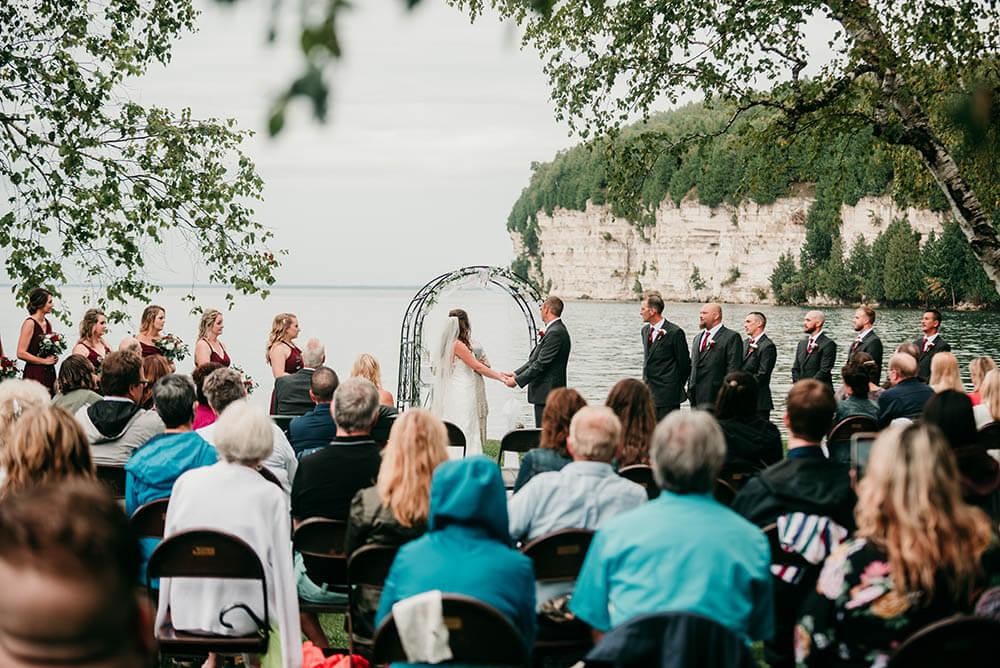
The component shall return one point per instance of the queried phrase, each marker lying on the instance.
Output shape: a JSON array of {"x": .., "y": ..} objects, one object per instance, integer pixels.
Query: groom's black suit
[
  {"x": 666, "y": 366},
  {"x": 545, "y": 369}
]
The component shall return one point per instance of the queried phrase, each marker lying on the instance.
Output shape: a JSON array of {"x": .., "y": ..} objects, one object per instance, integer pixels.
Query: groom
[{"x": 545, "y": 369}]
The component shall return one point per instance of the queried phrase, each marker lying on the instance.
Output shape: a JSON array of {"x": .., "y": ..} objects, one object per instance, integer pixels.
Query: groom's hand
[{"x": 509, "y": 380}]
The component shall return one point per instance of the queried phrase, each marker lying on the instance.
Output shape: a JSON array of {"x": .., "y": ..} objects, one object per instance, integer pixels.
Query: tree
[
  {"x": 859, "y": 264},
  {"x": 96, "y": 181},
  {"x": 783, "y": 279},
  {"x": 887, "y": 63},
  {"x": 835, "y": 280},
  {"x": 903, "y": 276}
]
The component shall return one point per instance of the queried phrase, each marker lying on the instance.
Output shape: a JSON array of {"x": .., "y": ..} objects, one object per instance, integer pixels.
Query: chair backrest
[
  {"x": 843, "y": 430},
  {"x": 114, "y": 478},
  {"x": 456, "y": 437},
  {"x": 642, "y": 474},
  {"x": 519, "y": 440},
  {"x": 724, "y": 492},
  {"x": 321, "y": 541},
  {"x": 970, "y": 642},
  {"x": 558, "y": 556},
  {"x": 989, "y": 436},
  {"x": 369, "y": 566},
  {"x": 477, "y": 633},
  {"x": 149, "y": 519},
  {"x": 779, "y": 555},
  {"x": 736, "y": 475},
  {"x": 283, "y": 421}
]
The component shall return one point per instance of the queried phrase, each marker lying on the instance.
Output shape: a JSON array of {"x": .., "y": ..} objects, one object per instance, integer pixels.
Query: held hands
[{"x": 508, "y": 379}]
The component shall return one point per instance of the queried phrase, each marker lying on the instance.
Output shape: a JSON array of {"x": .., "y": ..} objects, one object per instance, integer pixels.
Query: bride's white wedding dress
[{"x": 459, "y": 394}]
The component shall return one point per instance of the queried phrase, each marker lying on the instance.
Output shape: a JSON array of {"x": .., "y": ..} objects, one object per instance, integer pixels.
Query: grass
[{"x": 334, "y": 628}]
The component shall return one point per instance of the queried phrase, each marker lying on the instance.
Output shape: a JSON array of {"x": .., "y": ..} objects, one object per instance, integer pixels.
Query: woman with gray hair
[{"x": 233, "y": 497}]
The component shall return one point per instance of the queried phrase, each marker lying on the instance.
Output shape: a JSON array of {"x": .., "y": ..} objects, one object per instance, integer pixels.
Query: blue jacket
[
  {"x": 313, "y": 430},
  {"x": 466, "y": 549},
  {"x": 905, "y": 399}
]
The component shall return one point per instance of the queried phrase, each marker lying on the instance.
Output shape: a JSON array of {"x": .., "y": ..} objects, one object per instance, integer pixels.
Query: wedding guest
[
  {"x": 816, "y": 353},
  {"x": 314, "y": 430},
  {"x": 225, "y": 386},
  {"x": 906, "y": 395},
  {"x": 856, "y": 386},
  {"x": 366, "y": 366},
  {"x": 33, "y": 330},
  {"x": 632, "y": 403},
  {"x": 920, "y": 555},
  {"x": 715, "y": 352},
  {"x": 868, "y": 364},
  {"x": 45, "y": 446},
  {"x": 545, "y": 369},
  {"x": 17, "y": 396},
  {"x": 759, "y": 358},
  {"x": 291, "y": 391},
  {"x": 551, "y": 453},
  {"x": 77, "y": 384},
  {"x": 209, "y": 346},
  {"x": 151, "y": 324},
  {"x": 930, "y": 344},
  {"x": 154, "y": 367},
  {"x": 945, "y": 373},
  {"x": 751, "y": 441},
  {"x": 130, "y": 344},
  {"x": 69, "y": 563},
  {"x": 231, "y": 496},
  {"x": 867, "y": 341},
  {"x": 988, "y": 409},
  {"x": 282, "y": 354},
  {"x": 117, "y": 425},
  {"x": 978, "y": 368},
  {"x": 682, "y": 551},
  {"x": 467, "y": 517},
  {"x": 92, "y": 345},
  {"x": 666, "y": 362},
  {"x": 203, "y": 413}
]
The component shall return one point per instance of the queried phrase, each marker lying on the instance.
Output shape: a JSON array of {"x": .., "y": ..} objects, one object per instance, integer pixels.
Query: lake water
[{"x": 606, "y": 339}]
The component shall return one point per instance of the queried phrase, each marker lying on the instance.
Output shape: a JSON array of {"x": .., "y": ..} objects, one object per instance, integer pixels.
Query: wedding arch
[{"x": 411, "y": 347}]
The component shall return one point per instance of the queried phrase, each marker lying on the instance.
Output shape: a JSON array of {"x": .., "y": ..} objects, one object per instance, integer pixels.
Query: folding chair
[
  {"x": 456, "y": 437},
  {"x": 737, "y": 475},
  {"x": 520, "y": 441},
  {"x": 724, "y": 492},
  {"x": 989, "y": 436},
  {"x": 149, "y": 519},
  {"x": 113, "y": 477},
  {"x": 320, "y": 541},
  {"x": 970, "y": 642},
  {"x": 643, "y": 475},
  {"x": 477, "y": 634},
  {"x": 203, "y": 553},
  {"x": 367, "y": 569},
  {"x": 838, "y": 441},
  {"x": 283, "y": 421}
]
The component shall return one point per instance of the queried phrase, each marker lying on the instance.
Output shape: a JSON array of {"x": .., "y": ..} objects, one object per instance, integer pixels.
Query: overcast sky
[{"x": 433, "y": 125}]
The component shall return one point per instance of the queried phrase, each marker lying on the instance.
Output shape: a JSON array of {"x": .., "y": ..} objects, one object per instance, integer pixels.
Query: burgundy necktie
[{"x": 704, "y": 342}]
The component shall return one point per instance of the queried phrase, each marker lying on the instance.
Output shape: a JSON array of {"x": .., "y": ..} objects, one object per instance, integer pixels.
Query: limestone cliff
[{"x": 693, "y": 252}]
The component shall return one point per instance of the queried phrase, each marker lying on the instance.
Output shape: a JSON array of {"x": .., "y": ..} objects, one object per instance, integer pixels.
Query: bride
[{"x": 458, "y": 394}]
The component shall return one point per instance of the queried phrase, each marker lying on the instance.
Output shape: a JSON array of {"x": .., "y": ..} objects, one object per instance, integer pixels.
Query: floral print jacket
[{"x": 856, "y": 617}]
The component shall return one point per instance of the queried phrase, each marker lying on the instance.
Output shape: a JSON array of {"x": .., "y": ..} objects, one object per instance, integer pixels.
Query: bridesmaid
[
  {"x": 209, "y": 348},
  {"x": 41, "y": 369},
  {"x": 283, "y": 355},
  {"x": 154, "y": 319},
  {"x": 92, "y": 345}
]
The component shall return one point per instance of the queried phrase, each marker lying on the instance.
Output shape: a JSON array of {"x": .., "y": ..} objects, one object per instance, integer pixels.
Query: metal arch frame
[{"x": 524, "y": 294}]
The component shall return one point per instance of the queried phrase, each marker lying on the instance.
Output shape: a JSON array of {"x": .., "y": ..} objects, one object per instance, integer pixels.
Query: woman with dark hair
[
  {"x": 203, "y": 414},
  {"x": 34, "y": 328},
  {"x": 856, "y": 387},
  {"x": 951, "y": 412},
  {"x": 77, "y": 384},
  {"x": 750, "y": 439},
  {"x": 632, "y": 402},
  {"x": 154, "y": 319},
  {"x": 551, "y": 455},
  {"x": 154, "y": 367}
]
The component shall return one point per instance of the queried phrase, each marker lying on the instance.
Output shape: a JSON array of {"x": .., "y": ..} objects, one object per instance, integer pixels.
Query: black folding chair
[
  {"x": 969, "y": 642},
  {"x": 520, "y": 441},
  {"x": 838, "y": 441},
  {"x": 456, "y": 437},
  {"x": 724, "y": 492},
  {"x": 642, "y": 475},
  {"x": 149, "y": 519},
  {"x": 989, "y": 436},
  {"x": 367, "y": 569},
  {"x": 736, "y": 475},
  {"x": 113, "y": 477},
  {"x": 477, "y": 634},
  {"x": 321, "y": 541},
  {"x": 283, "y": 421},
  {"x": 203, "y": 553}
]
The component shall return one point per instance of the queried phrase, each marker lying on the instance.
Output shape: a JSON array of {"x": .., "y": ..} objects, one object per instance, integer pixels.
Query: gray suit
[{"x": 291, "y": 393}]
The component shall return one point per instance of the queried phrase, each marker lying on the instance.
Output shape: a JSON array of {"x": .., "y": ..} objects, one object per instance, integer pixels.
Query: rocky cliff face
[{"x": 693, "y": 252}]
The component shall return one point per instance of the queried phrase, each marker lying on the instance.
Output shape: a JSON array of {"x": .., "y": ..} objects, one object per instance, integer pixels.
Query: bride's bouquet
[
  {"x": 248, "y": 382},
  {"x": 51, "y": 345},
  {"x": 172, "y": 347},
  {"x": 8, "y": 368}
]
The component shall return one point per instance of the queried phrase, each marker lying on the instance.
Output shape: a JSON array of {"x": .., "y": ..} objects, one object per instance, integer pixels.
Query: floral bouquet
[
  {"x": 51, "y": 345},
  {"x": 248, "y": 382},
  {"x": 8, "y": 368},
  {"x": 172, "y": 347}
]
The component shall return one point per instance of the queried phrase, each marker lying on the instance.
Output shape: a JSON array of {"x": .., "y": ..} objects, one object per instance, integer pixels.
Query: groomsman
[
  {"x": 930, "y": 344},
  {"x": 715, "y": 352},
  {"x": 759, "y": 357},
  {"x": 666, "y": 364},
  {"x": 817, "y": 353},
  {"x": 545, "y": 369},
  {"x": 867, "y": 340}
]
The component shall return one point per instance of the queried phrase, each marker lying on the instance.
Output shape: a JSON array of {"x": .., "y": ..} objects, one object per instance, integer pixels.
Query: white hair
[
  {"x": 17, "y": 396},
  {"x": 244, "y": 434},
  {"x": 688, "y": 452},
  {"x": 594, "y": 432},
  {"x": 314, "y": 354}
]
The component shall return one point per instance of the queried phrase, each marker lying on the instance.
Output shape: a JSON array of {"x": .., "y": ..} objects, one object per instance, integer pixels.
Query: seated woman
[
  {"x": 988, "y": 409},
  {"x": 47, "y": 444},
  {"x": 76, "y": 384},
  {"x": 751, "y": 441},
  {"x": 366, "y": 366},
  {"x": 945, "y": 374},
  {"x": 154, "y": 367},
  {"x": 232, "y": 496},
  {"x": 978, "y": 368},
  {"x": 920, "y": 555},
  {"x": 632, "y": 402},
  {"x": 203, "y": 413},
  {"x": 551, "y": 455},
  {"x": 856, "y": 387}
]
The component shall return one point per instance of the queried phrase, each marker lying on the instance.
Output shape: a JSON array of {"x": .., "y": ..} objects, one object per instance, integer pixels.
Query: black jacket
[
  {"x": 872, "y": 345},
  {"x": 710, "y": 366},
  {"x": 666, "y": 364},
  {"x": 819, "y": 363},
  {"x": 545, "y": 369},
  {"x": 924, "y": 358},
  {"x": 760, "y": 364},
  {"x": 291, "y": 393}
]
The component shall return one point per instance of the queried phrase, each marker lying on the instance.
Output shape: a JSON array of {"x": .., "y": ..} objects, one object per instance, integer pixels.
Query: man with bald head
[
  {"x": 817, "y": 352},
  {"x": 715, "y": 352},
  {"x": 908, "y": 394}
]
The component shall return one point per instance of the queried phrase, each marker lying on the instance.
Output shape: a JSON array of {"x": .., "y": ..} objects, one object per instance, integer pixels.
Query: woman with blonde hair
[
  {"x": 151, "y": 324},
  {"x": 978, "y": 368},
  {"x": 988, "y": 409},
  {"x": 920, "y": 554},
  {"x": 945, "y": 373},
  {"x": 366, "y": 366},
  {"x": 92, "y": 345},
  {"x": 46, "y": 445},
  {"x": 209, "y": 347},
  {"x": 283, "y": 355}
]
